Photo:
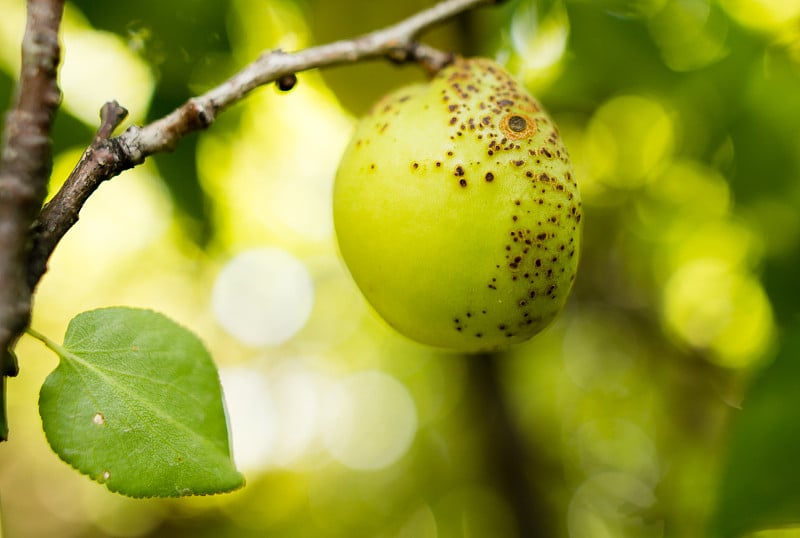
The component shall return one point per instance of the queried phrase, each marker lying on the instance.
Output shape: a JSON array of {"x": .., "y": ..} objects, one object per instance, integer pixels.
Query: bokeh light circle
[
  {"x": 252, "y": 417},
  {"x": 710, "y": 305},
  {"x": 615, "y": 444},
  {"x": 613, "y": 504},
  {"x": 263, "y": 296},
  {"x": 369, "y": 420}
]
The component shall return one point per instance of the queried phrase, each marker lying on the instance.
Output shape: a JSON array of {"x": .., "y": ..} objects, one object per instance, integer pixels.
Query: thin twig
[
  {"x": 25, "y": 167},
  {"x": 108, "y": 157},
  {"x": 111, "y": 116}
]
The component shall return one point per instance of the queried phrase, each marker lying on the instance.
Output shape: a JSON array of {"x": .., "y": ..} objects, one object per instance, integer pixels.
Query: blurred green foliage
[{"x": 661, "y": 403}]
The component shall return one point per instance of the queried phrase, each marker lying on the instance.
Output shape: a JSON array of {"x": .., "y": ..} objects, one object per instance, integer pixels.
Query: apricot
[{"x": 457, "y": 211}]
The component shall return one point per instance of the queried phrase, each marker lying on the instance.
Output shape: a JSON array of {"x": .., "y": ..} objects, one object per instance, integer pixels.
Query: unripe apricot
[{"x": 457, "y": 211}]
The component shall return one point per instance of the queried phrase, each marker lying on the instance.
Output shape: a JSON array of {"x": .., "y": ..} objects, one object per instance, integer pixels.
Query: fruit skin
[{"x": 457, "y": 212}]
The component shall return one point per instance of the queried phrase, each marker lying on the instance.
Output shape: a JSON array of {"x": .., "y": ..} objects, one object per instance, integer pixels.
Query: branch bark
[
  {"x": 509, "y": 458},
  {"x": 25, "y": 167}
]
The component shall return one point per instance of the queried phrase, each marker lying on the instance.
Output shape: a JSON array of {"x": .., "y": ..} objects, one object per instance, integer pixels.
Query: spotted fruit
[{"x": 457, "y": 211}]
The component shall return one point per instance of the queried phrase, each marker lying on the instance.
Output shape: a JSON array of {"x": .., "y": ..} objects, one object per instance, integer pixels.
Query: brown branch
[
  {"x": 25, "y": 167},
  {"x": 509, "y": 459},
  {"x": 108, "y": 157}
]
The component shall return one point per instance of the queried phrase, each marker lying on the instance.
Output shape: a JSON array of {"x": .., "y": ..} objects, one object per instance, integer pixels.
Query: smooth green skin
[{"x": 446, "y": 254}]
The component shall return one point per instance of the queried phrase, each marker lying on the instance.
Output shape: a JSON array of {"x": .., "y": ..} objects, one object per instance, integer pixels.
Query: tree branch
[
  {"x": 509, "y": 459},
  {"x": 25, "y": 166},
  {"x": 108, "y": 157}
]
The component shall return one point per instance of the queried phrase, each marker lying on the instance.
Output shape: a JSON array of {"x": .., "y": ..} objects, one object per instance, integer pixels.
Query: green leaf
[
  {"x": 760, "y": 487},
  {"x": 135, "y": 403}
]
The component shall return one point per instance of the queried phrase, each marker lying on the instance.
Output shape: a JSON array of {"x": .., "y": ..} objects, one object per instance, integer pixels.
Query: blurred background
[{"x": 663, "y": 402}]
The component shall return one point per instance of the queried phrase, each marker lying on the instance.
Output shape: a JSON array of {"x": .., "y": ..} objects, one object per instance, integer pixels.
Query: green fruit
[{"x": 457, "y": 212}]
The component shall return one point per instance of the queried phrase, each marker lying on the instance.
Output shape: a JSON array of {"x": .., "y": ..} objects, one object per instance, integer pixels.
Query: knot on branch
[
  {"x": 111, "y": 116},
  {"x": 432, "y": 60},
  {"x": 286, "y": 82},
  {"x": 199, "y": 114}
]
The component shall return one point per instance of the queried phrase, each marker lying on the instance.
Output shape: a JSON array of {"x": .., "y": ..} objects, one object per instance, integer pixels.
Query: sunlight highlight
[
  {"x": 12, "y": 27},
  {"x": 277, "y": 179},
  {"x": 274, "y": 416},
  {"x": 122, "y": 218},
  {"x": 251, "y": 417},
  {"x": 628, "y": 139},
  {"x": 263, "y": 296},
  {"x": 97, "y": 67},
  {"x": 613, "y": 504},
  {"x": 713, "y": 307},
  {"x": 615, "y": 443},
  {"x": 763, "y": 14},
  {"x": 539, "y": 40},
  {"x": 691, "y": 34},
  {"x": 370, "y": 421}
]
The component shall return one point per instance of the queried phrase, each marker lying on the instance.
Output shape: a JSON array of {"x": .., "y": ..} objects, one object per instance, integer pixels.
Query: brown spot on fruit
[{"x": 517, "y": 126}]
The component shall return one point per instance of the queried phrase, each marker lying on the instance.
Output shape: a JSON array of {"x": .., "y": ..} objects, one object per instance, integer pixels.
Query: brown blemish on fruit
[
  {"x": 459, "y": 171},
  {"x": 517, "y": 124},
  {"x": 463, "y": 182},
  {"x": 489, "y": 177},
  {"x": 517, "y": 127}
]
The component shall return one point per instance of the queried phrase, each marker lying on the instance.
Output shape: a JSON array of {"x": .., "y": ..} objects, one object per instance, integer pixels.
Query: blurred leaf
[
  {"x": 760, "y": 485},
  {"x": 6, "y": 85},
  {"x": 135, "y": 403},
  {"x": 178, "y": 43}
]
